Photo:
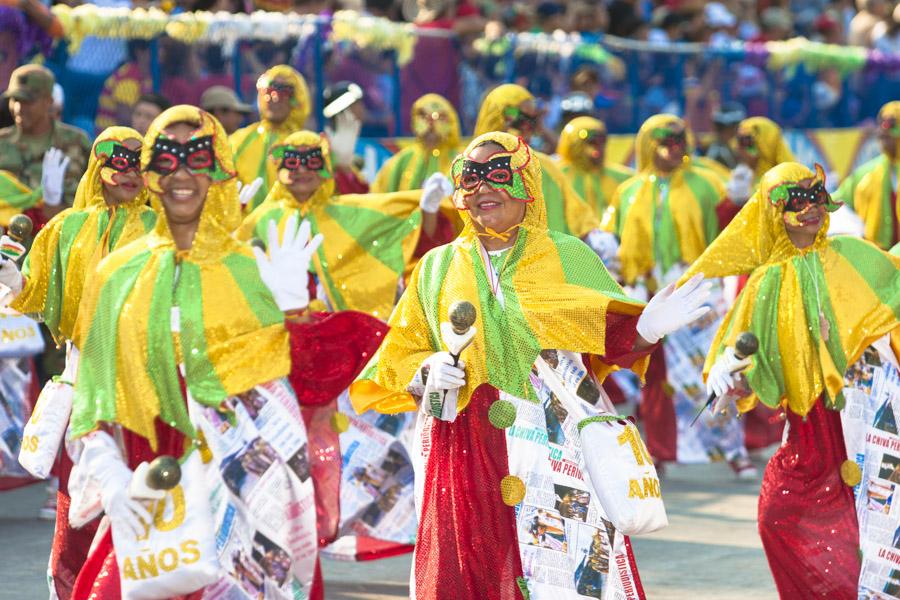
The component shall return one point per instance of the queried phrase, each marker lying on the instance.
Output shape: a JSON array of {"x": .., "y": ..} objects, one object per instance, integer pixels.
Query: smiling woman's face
[
  {"x": 489, "y": 207},
  {"x": 183, "y": 193},
  {"x": 128, "y": 184}
]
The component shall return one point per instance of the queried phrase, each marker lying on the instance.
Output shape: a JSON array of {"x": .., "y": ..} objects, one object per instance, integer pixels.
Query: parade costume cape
[
  {"x": 677, "y": 231},
  {"x": 411, "y": 166},
  {"x": 595, "y": 184},
  {"x": 556, "y": 291},
  {"x": 869, "y": 190},
  {"x": 850, "y": 282},
  {"x": 15, "y": 197},
  {"x": 368, "y": 238},
  {"x": 251, "y": 144},
  {"x": 770, "y": 144},
  {"x": 566, "y": 210},
  {"x": 232, "y": 334},
  {"x": 68, "y": 249}
]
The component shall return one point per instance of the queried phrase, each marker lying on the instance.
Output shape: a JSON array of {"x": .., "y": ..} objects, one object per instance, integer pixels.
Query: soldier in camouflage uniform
[{"x": 23, "y": 145}]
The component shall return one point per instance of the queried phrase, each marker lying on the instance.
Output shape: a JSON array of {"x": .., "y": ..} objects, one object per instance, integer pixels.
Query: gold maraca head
[
  {"x": 164, "y": 473},
  {"x": 20, "y": 227},
  {"x": 462, "y": 316}
]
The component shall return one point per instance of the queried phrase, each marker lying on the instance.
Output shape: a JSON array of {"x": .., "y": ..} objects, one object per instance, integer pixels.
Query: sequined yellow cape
[
  {"x": 251, "y": 144},
  {"x": 229, "y": 333},
  {"x": 556, "y": 293},
  {"x": 566, "y": 210},
  {"x": 67, "y": 250},
  {"x": 660, "y": 231},
  {"x": 850, "y": 282}
]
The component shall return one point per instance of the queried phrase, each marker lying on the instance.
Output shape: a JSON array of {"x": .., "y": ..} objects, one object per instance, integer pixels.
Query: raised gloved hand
[
  {"x": 105, "y": 466},
  {"x": 53, "y": 176},
  {"x": 604, "y": 244},
  {"x": 10, "y": 276},
  {"x": 247, "y": 192},
  {"x": 343, "y": 137},
  {"x": 436, "y": 188},
  {"x": 284, "y": 269},
  {"x": 725, "y": 373},
  {"x": 442, "y": 383},
  {"x": 672, "y": 309},
  {"x": 740, "y": 185}
]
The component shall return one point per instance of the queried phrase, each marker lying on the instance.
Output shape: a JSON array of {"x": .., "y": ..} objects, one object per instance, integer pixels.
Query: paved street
[{"x": 710, "y": 549}]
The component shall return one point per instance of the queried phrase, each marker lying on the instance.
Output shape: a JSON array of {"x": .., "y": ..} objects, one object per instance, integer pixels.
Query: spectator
[
  {"x": 725, "y": 124},
  {"x": 123, "y": 88},
  {"x": 587, "y": 17},
  {"x": 721, "y": 22},
  {"x": 576, "y": 104},
  {"x": 550, "y": 17},
  {"x": 147, "y": 108},
  {"x": 871, "y": 12},
  {"x": 777, "y": 24},
  {"x": 886, "y": 34},
  {"x": 22, "y": 146},
  {"x": 224, "y": 105}
]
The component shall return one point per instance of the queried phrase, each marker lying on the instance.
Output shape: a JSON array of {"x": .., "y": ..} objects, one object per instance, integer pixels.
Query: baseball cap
[
  {"x": 30, "y": 82},
  {"x": 219, "y": 96}
]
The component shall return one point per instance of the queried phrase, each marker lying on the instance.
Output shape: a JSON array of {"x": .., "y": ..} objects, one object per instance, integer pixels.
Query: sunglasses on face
[
  {"x": 196, "y": 155},
  {"x": 801, "y": 198},
  {"x": 311, "y": 160},
  {"x": 495, "y": 171},
  {"x": 123, "y": 160}
]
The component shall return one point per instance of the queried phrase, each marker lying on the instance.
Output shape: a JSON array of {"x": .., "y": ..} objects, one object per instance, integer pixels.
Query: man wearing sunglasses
[{"x": 871, "y": 190}]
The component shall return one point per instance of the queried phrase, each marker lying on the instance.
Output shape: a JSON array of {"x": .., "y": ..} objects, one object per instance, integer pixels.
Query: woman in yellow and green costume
[
  {"x": 540, "y": 298},
  {"x": 510, "y": 108},
  {"x": 582, "y": 158},
  {"x": 815, "y": 304},
  {"x": 284, "y": 106},
  {"x": 761, "y": 146},
  {"x": 370, "y": 239},
  {"x": 185, "y": 338},
  {"x": 871, "y": 190}
]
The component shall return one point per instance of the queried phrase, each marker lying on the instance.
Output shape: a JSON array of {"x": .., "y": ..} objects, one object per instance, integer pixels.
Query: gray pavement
[{"x": 709, "y": 550}]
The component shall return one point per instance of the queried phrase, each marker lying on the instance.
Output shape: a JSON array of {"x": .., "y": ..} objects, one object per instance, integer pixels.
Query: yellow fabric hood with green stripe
[
  {"x": 229, "y": 336},
  {"x": 850, "y": 282},
  {"x": 556, "y": 293},
  {"x": 68, "y": 249}
]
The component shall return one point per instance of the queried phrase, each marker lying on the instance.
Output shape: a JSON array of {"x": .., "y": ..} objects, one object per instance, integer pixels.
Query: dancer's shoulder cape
[
  {"x": 855, "y": 285},
  {"x": 15, "y": 197},
  {"x": 251, "y": 144},
  {"x": 658, "y": 228},
  {"x": 557, "y": 294},
  {"x": 368, "y": 238},
  {"x": 67, "y": 250},
  {"x": 229, "y": 334}
]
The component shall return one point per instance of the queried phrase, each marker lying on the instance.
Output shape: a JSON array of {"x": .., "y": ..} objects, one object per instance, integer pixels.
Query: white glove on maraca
[
  {"x": 437, "y": 187},
  {"x": 247, "y": 192},
  {"x": 343, "y": 137},
  {"x": 442, "y": 385},
  {"x": 284, "y": 269},
  {"x": 671, "y": 309},
  {"x": 740, "y": 185},
  {"x": 53, "y": 176},
  {"x": 10, "y": 276},
  {"x": 725, "y": 373}
]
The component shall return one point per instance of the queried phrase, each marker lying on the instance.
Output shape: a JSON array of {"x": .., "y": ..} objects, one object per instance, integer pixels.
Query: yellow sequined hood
[
  {"x": 773, "y": 150},
  {"x": 571, "y": 146},
  {"x": 490, "y": 116}
]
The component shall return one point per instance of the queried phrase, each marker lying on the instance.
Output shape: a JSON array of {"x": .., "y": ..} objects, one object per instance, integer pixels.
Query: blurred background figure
[
  {"x": 224, "y": 104},
  {"x": 147, "y": 108},
  {"x": 725, "y": 124}
]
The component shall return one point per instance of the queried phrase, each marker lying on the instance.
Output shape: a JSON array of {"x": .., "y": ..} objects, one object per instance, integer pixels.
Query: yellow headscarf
[
  {"x": 231, "y": 334},
  {"x": 688, "y": 221},
  {"x": 556, "y": 292},
  {"x": 251, "y": 144},
  {"x": 368, "y": 238},
  {"x": 67, "y": 250},
  {"x": 772, "y": 148},
  {"x": 814, "y": 310},
  {"x": 566, "y": 210}
]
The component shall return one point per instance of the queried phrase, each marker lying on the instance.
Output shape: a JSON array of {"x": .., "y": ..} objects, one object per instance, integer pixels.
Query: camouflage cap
[{"x": 30, "y": 82}]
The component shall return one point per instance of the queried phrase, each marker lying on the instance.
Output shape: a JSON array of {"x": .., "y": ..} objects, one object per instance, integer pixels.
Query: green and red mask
[
  {"x": 798, "y": 200},
  {"x": 197, "y": 155},
  {"x": 670, "y": 141},
  {"x": 116, "y": 159},
  {"x": 293, "y": 158},
  {"x": 502, "y": 171}
]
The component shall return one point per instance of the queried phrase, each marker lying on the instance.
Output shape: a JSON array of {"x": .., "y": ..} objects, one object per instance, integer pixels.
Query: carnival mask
[
  {"x": 117, "y": 158},
  {"x": 799, "y": 201},
  {"x": 197, "y": 155},
  {"x": 293, "y": 159},
  {"x": 670, "y": 141},
  {"x": 499, "y": 172},
  {"x": 890, "y": 126},
  {"x": 275, "y": 91},
  {"x": 519, "y": 121},
  {"x": 747, "y": 143},
  {"x": 431, "y": 117}
]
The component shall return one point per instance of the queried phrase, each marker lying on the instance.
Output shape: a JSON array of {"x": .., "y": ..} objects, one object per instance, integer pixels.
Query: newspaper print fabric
[
  {"x": 377, "y": 490},
  {"x": 870, "y": 421},
  {"x": 15, "y": 409},
  {"x": 568, "y": 549},
  {"x": 261, "y": 495}
]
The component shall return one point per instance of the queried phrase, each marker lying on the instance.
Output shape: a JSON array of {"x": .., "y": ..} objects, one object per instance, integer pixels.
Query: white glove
[
  {"x": 10, "y": 276},
  {"x": 343, "y": 137},
  {"x": 672, "y": 309},
  {"x": 247, "y": 192},
  {"x": 436, "y": 188},
  {"x": 604, "y": 244},
  {"x": 725, "y": 373},
  {"x": 442, "y": 385},
  {"x": 53, "y": 176},
  {"x": 285, "y": 268},
  {"x": 740, "y": 185},
  {"x": 105, "y": 466}
]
